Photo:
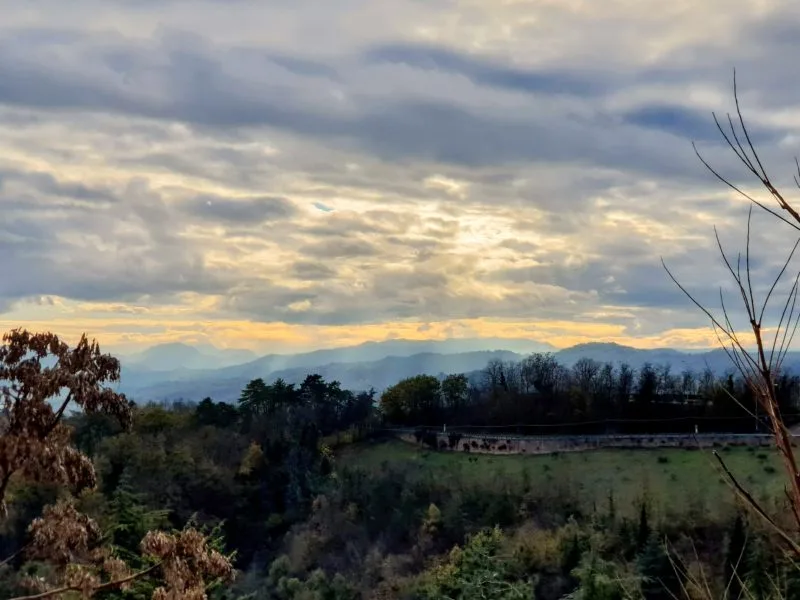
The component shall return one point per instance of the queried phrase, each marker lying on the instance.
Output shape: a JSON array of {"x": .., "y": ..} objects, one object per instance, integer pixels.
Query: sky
[{"x": 282, "y": 175}]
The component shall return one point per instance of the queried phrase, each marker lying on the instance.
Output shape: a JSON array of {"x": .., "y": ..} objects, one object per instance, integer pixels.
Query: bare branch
[
  {"x": 752, "y": 503},
  {"x": 760, "y": 364},
  {"x": 110, "y": 585}
]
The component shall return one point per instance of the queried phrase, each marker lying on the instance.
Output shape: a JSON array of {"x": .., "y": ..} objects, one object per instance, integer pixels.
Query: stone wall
[{"x": 487, "y": 444}]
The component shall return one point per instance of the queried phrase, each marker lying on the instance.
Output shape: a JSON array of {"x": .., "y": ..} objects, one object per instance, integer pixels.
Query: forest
[
  {"x": 540, "y": 396},
  {"x": 273, "y": 498}
]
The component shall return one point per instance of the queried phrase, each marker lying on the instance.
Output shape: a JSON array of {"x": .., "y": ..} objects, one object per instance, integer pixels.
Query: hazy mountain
[
  {"x": 226, "y": 384},
  {"x": 368, "y": 350},
  {"x": 201, "y": 371},
  {"x": 717, "y": 360},
  {"x": 183, "y": 361},
  {"x": 173, "y": 356},
  {"x": 635, "y": 357},
  {"x": 372, "y": 351}
]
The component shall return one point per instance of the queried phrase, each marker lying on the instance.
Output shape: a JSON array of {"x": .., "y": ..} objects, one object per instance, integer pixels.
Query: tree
[
  {"x": 477, "y": 571},
  {"x": 604, "y": 393},
  {"x": 358, "y": 408},
  {"x": 659, "y": 579},
  {"x": 758, "y": 568},
  {"x": 643, "y": 532},
  {"x": 584, "y": 376},
  {"x": 688, "y": 383},
  {"x": 624, "y": 385},
  {"x": 413, "y": 400},
  {"x": 255, "y": 397},
  {"x": 327, "y": 399},
  {"x": 598, "y": 579},
  {"x": 735, "y": 559},
  {"x": 455, "y": 391},
  {"x": 539, "y": 370},
  {"x": 647, "y": 385},
  {"x": 282, "y": 394},
  {"x": 42, "y": 378},
  {"x": 219, "y": 414}
]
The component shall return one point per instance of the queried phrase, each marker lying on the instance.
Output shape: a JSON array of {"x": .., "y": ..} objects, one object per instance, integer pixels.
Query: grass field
[{"x": 673, "y": 480}]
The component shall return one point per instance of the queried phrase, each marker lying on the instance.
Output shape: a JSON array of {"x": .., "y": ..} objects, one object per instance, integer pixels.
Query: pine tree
[
  {"x": 758, "y": 569},
  {"x": 643, "y": 533},
  {"x": 598, "y": 579},
  {"x": 735, "y": 559},
  {"x": 571, "y": 554},
  {"x": 254, "y": 397},
  {"x": 659, "y": 580},
  {"x": 612, "y": 510}
]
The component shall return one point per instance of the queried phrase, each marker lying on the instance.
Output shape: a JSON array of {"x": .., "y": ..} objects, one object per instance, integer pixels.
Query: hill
[
  {"x": 177, "y": 371},
  {"x": 678, "y": 360},
  {"x": 226, "y": 384},
  {"x": 174, "y": 356}
]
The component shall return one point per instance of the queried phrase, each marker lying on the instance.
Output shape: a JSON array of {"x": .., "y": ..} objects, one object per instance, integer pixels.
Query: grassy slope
[{"x": 675, "y": 480}]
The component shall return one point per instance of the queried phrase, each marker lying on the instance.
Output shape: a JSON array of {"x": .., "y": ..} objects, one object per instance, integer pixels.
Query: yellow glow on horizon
[{"x": 124, "y": 334}]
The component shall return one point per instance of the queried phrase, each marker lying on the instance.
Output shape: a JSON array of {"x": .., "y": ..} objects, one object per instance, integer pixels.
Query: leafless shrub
[{"x": 759, "y": 353}]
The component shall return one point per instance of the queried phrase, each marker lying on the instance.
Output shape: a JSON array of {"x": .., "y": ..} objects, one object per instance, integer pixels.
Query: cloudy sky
[{"x": 288, "y": 174}]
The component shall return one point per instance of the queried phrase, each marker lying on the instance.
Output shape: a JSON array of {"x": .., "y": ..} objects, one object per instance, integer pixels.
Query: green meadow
[{"x": 671, "y": 480}]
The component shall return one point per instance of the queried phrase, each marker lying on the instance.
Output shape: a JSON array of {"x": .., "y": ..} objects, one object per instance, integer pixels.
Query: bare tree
[{"x": 759, "y": 351}]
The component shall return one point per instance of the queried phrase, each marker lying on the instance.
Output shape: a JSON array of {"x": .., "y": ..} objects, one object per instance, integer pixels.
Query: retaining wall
[{"x": 486, "y": 444}]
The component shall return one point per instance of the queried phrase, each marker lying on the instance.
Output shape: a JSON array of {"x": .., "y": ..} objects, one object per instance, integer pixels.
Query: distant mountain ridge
[
  {"x": 173, "y": 356},
  {"x": 226, "y": 384},
  {"x": 373, "y": 364},
  {"x": 365, "y": 351}
]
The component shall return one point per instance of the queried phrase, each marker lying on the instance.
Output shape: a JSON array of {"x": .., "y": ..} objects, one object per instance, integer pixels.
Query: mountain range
[
  {"x": 174, "y": 356},
  {"x": 171, "y": 372}
]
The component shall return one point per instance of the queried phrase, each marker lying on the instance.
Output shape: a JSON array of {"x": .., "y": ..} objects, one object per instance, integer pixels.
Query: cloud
[
  {"x": 122, "y": 248},
  {"x": 339, "y": 249},
  {"x": 307, "y": 270},
  {"x": 190, "y": 79},
  {"x": 347, "y": 165},
  {"x": 483, "y": 71},
  {"x": 238, "y": 210},
  {"x": 674, "y": 119}
]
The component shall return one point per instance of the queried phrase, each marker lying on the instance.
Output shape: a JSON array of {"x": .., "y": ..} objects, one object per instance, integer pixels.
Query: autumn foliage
[{"x": 41, "y": 378}]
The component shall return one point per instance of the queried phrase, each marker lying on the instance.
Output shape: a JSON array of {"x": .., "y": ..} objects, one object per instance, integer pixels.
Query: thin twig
[
  {"x": 748, "y": 498},
  {"x": 110, "y": 585}
]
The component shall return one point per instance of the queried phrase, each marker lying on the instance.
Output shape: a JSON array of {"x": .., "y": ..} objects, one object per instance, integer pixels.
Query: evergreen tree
[
  {"x": 598, "y": 580},
  {"x": 612, "y": 510},
  {"x": 130, "y": 519},
  {"x": 643, "y": 533},
  {"x": 476, "y": 571},
  {"x": 659, "y": 580},
  {"x": 571, "y": 554},
  {"x": 758, "y": 568},
  {"x": 735, "y": 559},
  {"x": 254, "y": 397}
]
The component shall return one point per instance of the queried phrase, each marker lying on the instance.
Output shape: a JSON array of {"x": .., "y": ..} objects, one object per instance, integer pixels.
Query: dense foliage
[{"x": 266, "y": 480}]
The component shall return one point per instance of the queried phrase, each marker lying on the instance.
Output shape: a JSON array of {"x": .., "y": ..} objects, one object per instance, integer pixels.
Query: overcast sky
[{"x": 289, "y": 174}]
